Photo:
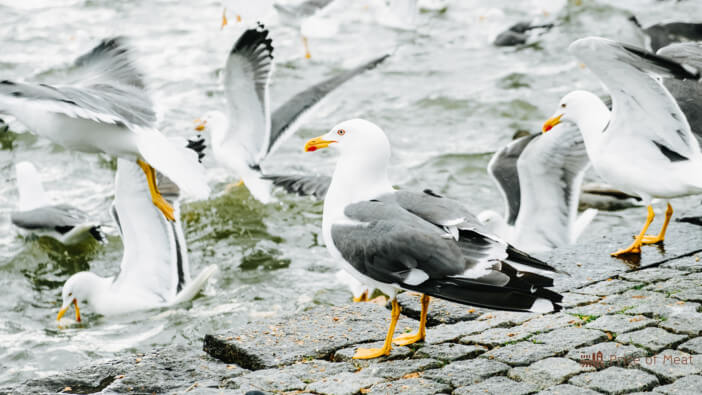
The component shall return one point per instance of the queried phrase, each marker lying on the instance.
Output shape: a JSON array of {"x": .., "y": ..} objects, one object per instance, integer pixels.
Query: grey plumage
[
  {"x": 60, "y": 218},
  {"x": 302, "y": 185},
  {"x": 303, "y": 10}
]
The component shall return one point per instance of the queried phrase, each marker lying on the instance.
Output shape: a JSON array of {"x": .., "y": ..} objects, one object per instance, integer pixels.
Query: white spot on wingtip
[
  {"x": 453, "y": 231},
  {"x": 541, "y": 305},
  {"x": 416, "y": 277}
]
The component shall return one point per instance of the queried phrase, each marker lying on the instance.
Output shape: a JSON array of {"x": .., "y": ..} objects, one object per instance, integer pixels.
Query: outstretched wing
[
  {"x": 60, "y": 217},
  {"x": 302, "y": 185},
  {"x": 391, "y": 245},
  {"x": 503, "y": 170},
  {"x": 288, "y": 117},
  {"x": 639, "y": 99},
  {"x": 247, "y": 76}
]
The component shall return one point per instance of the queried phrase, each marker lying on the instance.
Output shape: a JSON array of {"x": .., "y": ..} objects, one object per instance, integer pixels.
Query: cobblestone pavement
[{"x": 635, "y": 332}]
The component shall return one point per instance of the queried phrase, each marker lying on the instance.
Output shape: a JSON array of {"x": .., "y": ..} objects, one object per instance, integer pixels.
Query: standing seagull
[
  {"x": 540, "y": 178},
  {"x": 155, "y": 271},
  {"x": 644, "y": 146},
  {"x": 36, "y": 215},
  {"x": 103, "y": 107},
  {"x": 248, "y": 133},
  {"x": 422, "y": 242}
]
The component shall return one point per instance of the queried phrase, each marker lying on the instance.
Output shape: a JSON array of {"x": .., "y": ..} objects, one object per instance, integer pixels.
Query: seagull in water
[
  {"x": 244, "y": 136},
  {"x": 36, "y": 215},
  {"x": 155, "y": 271},
  {"x": 644, "y": 146},
  {"x": 540, "y": 177},
  {"x": 421, "y": 242},
  {"x": 103, "y": 107}
]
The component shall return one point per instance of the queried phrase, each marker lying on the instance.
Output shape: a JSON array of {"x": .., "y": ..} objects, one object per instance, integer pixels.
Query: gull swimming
[
  {"x": 244, "y": 137},
  {"x": 36, "y": 214},
  {"x": 644, "y": 146},
  {"x": 155, "y": 271},
  {"x": 540, "y": 177},
  {"x": 102, "y": 106},
  {"x": 391, "y": 240}
]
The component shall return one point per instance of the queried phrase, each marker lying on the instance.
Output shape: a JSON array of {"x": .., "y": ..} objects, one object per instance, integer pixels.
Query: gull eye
[
  {"x": 563, "y": 105},
  {"x": 341, "y": 132},
  {"x": 70, "y": 294}
]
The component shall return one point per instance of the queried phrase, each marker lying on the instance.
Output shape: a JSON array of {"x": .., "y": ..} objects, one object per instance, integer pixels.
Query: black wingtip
[
  {"x": 197, "y": 144},
  {"x": 253, "y": 40},
  {"x": 678, "y": 70},
  {"x": 97, "y": 234}
]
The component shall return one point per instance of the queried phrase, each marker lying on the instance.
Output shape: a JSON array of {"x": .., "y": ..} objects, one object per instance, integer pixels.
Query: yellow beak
[
  {"x": 550, "y": 123},
  {"x": 200, "y": 125},
  {"x": 65, "y": 309},
  {"x": 317, "y": 143}
]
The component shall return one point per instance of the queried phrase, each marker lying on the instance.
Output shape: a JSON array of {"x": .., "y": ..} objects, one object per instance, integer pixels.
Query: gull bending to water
[
  {"x": 644, "y": 146},
  {"x": 540, "y": 177},
  {"x": 392, "y": 240},
  {"x": 36, "y": 215},
  {"x": 103, "y": 107},
  {"x": 248, "y": 133},
  {"x": 155, "y": 271}
]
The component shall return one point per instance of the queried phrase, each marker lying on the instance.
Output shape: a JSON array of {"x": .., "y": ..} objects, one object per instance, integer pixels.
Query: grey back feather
[
  {"x": 303, "y": 185},
  {"x": 60, "y": 215}
]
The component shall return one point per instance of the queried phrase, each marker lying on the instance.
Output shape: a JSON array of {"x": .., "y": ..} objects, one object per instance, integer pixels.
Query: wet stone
[
  {"x": 570, "y": 337},
  {"x": 548, "y": 372},
  {"x": 399, "y": 368},
  {"x": 620, "y": 323},
  {"x": 496, "y": 336},
  {"x": 497, "y": 386},
  {"x": 344, "y": 383},
  {"x": 654, "y": 339},
  {"x": 682, "y": 386},
  {"x": 693, "y": 295},
  {"x": 289, "y": 376},
  {"x": 266, "y": 380},
  {"x": 674, "y": 285},
  {"x": 315, "y": 333},
  {"x": 397, "y": 352},
  {"x": 671, "y": 364},
  {"x": 567, "y": 389},
  {"x": 523, "y": 353},
  {"x": 451, "y": 332},
  {"x": 571, "y": 299},
  {"x": 468, "y": 372},
  {"x": 168, "y": 370},
  {"x": 652, "y": 274},
  {"x": 684, "y": 323},
  {"x": 440, "y": 311},
  {"x": 596, "y": 310},
  {"x": 604, "y": 288},
  {"x": 410, "y": 386},
  {"x": 608, "y": 354},
  {"x": 688, "y": 264},
  {"x": 693, "y": 346},
  {"x": 449, "y": 351},
  {"x": 616, "y": 380}
]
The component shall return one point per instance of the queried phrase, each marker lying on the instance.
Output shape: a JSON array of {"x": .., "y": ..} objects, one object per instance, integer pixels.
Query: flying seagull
[
  {"x": 36, "y": 215},
  {"x": 540, "y": 177},
  {"x": 422, "y": 242},
  {"x": 102, "y": 106},
  {"x": 644, "y": 146},
  {"x": 244, "y": 137},
  {"x": 155, "y": 271}
]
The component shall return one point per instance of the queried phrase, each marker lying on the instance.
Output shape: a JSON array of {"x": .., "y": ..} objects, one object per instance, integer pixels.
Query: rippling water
[{"x": 446, "y": 98}]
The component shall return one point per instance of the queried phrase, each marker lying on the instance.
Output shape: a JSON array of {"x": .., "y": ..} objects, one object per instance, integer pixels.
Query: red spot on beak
[
  {"x": 547, "y": 128},
  {"x": 312, "y": 148}
]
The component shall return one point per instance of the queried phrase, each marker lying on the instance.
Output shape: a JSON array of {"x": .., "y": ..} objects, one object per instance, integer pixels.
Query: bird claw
[
  {"x": 370, "y": 353},
  {"x": 651, "y": 239},
  {"x": 632, "y": 249},
  {"x": 407, "y": 339}
]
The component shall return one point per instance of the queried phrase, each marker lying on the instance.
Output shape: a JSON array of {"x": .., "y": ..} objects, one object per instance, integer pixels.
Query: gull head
[
  {"x": 359, "y": 138},
  {"x": 574, "y": 107},
  {"x": 212, "y": 121},
  {"x": 78, "y": 288}
]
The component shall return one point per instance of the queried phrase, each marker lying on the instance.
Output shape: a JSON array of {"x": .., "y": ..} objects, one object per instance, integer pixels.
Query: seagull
[
  {"x": 421, "y": 242},
  {"x": 248, "y": 133},
  {"x": 36, "y": 215},
  {"x": 103, "y": 107},
  {"x": 310, "y": 17},
  {"x": 540, "y": 177},
  {"x": 644, "y": 146},
  {"x": 155, "y": 271}
]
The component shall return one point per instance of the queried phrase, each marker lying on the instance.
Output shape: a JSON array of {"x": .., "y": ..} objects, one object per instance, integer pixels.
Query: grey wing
[
  {"x": 60, "y": 217},
  {"x": 307, "y": 8},
  {"x": 638, "y": 98},
  {"x": 664, "y": 34},
  {"x": 393, "y": 246},
  {"x": 551, "y": 170},
  {"x": 303, "y": 185},
  {"x": 686, "y": 92},
  {"x": 288, "y": 117},
  {"x": 503, "y": 170},
  {"x": 247, "y": 77}
]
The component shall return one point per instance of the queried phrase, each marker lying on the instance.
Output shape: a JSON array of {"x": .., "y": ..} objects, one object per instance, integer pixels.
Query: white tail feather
[
  {"x": 177, "y": 163},
  {"x": 192, "y": 288},
  {"x": 581, "y": 223}
]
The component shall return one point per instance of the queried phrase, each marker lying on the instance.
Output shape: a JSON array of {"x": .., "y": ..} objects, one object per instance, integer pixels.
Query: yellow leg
[
  {"x": 635, "y": 247},
  {"x": 156, "y": 197},
  {"x": 410, "y": 338},
  {"x": 650, "y": 239},
  {"x": 307, "y": 48},
  {"x": 225, "y": 22},
  {"x": 361, "y": 298},
  {"x": 369, "y": 353}
]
